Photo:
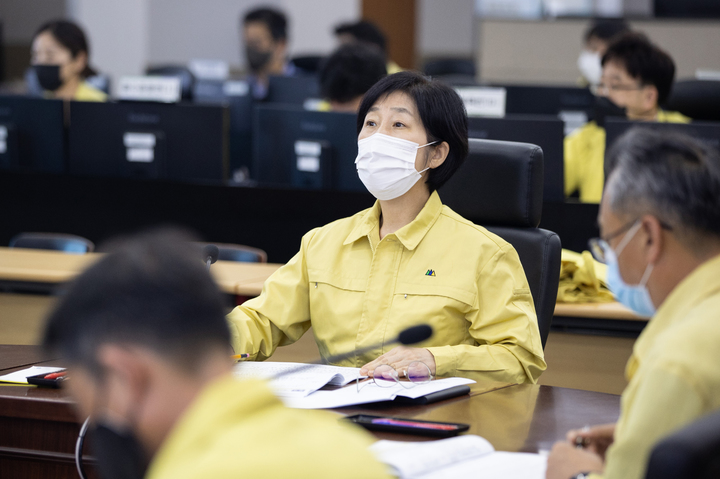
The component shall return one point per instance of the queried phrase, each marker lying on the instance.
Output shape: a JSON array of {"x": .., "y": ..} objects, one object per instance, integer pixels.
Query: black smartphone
[{"x": 408, "y": 426}]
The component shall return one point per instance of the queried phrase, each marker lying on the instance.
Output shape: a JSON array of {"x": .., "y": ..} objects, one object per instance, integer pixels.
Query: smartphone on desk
[{"x": 408, "y": 426}]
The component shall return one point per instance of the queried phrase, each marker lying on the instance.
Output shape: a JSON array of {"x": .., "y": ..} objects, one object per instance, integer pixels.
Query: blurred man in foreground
[
  {"x": 144, "y": 336},
  {"x": 660, "y": 229}
]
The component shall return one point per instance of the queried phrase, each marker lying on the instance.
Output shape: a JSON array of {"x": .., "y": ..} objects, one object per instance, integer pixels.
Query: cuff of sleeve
[{"x": 446, "y": 361}]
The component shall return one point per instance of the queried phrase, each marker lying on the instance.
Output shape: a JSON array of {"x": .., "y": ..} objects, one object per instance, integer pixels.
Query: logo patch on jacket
[{"x": 430, "y": 272}]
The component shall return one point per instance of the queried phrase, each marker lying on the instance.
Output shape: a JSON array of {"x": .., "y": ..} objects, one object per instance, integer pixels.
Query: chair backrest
[
  {"x": 500, "y": 187},
  {"x": 53, "y": 241},
  {"x": 693, "y": 452},
  {"x": 241, "y": 253},
  {"x": 698, "y": 99}
]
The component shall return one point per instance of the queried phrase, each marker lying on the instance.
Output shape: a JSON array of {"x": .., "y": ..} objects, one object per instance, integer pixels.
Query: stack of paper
[
  {"x": 298, "y": 385},
  {"x": 297, "y": 380},
  {"x": 462, "y": 456}
]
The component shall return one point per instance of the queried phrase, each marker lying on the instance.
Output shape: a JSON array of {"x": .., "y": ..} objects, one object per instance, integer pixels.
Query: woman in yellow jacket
[
  {"x": 408, "y": 260},
  {"x": 60, "y": 58}
]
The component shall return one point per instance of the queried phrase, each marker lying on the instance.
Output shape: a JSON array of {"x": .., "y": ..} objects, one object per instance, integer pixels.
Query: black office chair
[
  {"x": 53, "y": 241},
  {"x": 693, "y": 452},
  {"x": 449, "y": 66},
  {"x": 187, "y": 79},
  {"x": 500, "y": 187},
  {"x": 698, "y": 99}
]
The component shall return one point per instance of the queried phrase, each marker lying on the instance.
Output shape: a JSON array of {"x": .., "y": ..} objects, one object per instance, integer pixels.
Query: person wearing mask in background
[
  {"x": 266, "y": 46},
  {"x": 60, "y": 59},
  {"x": 660, "y": 237},
  {"x": 408, "y": 260},
  {"x": 637, "y": 77},
  {"x": 366, "y": 32},
  {"x": 144, "y": 337},
  {"x": 596, "y": 40},
  {"x": 348, "y": 73}
]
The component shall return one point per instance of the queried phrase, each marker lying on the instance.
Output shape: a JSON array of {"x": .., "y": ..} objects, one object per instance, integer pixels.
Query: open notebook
[{"x": 462, "y": 456}]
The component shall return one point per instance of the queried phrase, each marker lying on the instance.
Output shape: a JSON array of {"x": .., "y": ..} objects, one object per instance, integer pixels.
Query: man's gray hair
[{"x": 667, "y": 174}]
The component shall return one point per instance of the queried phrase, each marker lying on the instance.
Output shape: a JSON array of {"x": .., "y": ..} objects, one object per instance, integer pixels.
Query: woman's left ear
[
  {"x": 79, "y": 63},
  {"x": 439, "y": 154}
]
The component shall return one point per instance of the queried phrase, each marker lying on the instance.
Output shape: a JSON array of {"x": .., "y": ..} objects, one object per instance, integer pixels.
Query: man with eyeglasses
[
  {"x": 636, "y": 79},
  {"x": 660, "y": 237}
]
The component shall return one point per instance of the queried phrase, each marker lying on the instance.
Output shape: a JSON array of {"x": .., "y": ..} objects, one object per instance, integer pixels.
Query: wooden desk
[
  {"x": 612, "y": 310},
  {"x": 53, "y": 267},
  {"x": 39, "y": 428}
]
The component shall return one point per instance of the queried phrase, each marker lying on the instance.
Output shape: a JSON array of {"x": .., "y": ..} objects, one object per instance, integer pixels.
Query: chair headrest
[{"x": 500, "y": 183}]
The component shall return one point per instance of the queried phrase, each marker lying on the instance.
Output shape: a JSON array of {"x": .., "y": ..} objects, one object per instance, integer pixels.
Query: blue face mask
[{"x": 635, "y": 297}]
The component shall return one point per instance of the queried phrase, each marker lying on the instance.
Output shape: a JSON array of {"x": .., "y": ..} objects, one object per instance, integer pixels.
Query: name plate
[
  {"x": 483, "y": 101},
  {"x": 150, "y": 88}
]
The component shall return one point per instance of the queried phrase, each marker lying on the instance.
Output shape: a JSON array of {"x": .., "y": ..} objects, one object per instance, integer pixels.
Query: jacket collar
[{"x": 409, "y": 235}]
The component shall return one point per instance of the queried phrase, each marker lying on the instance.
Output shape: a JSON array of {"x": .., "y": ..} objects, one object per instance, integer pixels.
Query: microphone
[
  {"x": 210, "y": 254},
  {"x": 407, "y": 336}
]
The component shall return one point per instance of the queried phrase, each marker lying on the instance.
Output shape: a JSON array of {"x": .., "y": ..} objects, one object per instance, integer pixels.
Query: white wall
[
  {"x": 117, "y": 31},
  {"x": 181, "y": 30}
]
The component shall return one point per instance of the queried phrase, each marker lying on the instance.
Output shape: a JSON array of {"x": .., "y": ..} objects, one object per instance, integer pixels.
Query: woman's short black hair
[
  {"x": 643, "y": 61},
  {"x": 70, "y": 36},
  {"x": 351, "y": 71},
  {"x": 441, "y": 111}
]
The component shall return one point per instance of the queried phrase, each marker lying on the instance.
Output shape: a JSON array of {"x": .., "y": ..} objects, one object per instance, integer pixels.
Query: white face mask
[
  {"x": 590, "y": 65},
  {"x": 386, "y": 165}
]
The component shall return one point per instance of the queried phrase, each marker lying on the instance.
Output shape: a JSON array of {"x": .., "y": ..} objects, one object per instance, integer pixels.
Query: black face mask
[
  {"x": 48, "y": 76},
  {"x": 604, "y": 108},
  {"x": 257, "y": 59},
  {"x": 118, "y": 453}
]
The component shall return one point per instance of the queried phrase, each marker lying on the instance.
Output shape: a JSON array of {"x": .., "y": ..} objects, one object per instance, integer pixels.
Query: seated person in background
[
  {"x": 408, "y": 260},
  {"x": 63, "y": 44},
  {"x": 348, "y": 73},
  {"x": 144, "y": 337},
  {"x": 636, "y": 79},
  {"x": 596, "y": 40},
  {"x": 660, "y": 229},
  {"x": 265, "y": 44},
  {"x": 368, "y": 33}
]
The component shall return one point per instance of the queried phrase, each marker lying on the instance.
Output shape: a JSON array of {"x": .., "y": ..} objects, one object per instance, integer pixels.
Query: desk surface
[
  {"x": 39, "y": 426},
  {"x": 39, "y": 266},
  {"x": 612, "y": 310},
  {"x": 245, "y": 279}
]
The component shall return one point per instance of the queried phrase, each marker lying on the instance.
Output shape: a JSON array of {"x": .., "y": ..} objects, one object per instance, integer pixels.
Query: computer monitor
[
  {"x": 705, "y": 131},
  {"x": 236, "y": 95},
  {"x": 546, "y": 100},
  {"x": 293, "y": 90},
  {"x": 32, "y": 135},
  {"x": 148, "y": 140},
  {"x": 544, "y": 131},
  {"x": 305, "y": 149}
]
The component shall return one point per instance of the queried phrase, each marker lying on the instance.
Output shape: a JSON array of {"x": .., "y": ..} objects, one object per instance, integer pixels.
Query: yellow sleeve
[
  {"x": 665, "y": 401},
  {"x": 504, "y": 326},
  {"x": 279, "y": 316}
]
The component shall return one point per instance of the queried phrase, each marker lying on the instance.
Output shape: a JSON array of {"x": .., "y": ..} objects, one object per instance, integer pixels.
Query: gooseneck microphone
[
  {"x": 407, "y": 336},
  {"x": 210, "y": 254}
]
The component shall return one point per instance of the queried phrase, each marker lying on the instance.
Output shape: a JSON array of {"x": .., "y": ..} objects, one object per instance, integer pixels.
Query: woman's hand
[
  {"x": 399, "y": 358},
  {"x": 565, "y": 461},
  {"x": 595, "y": 439}
]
